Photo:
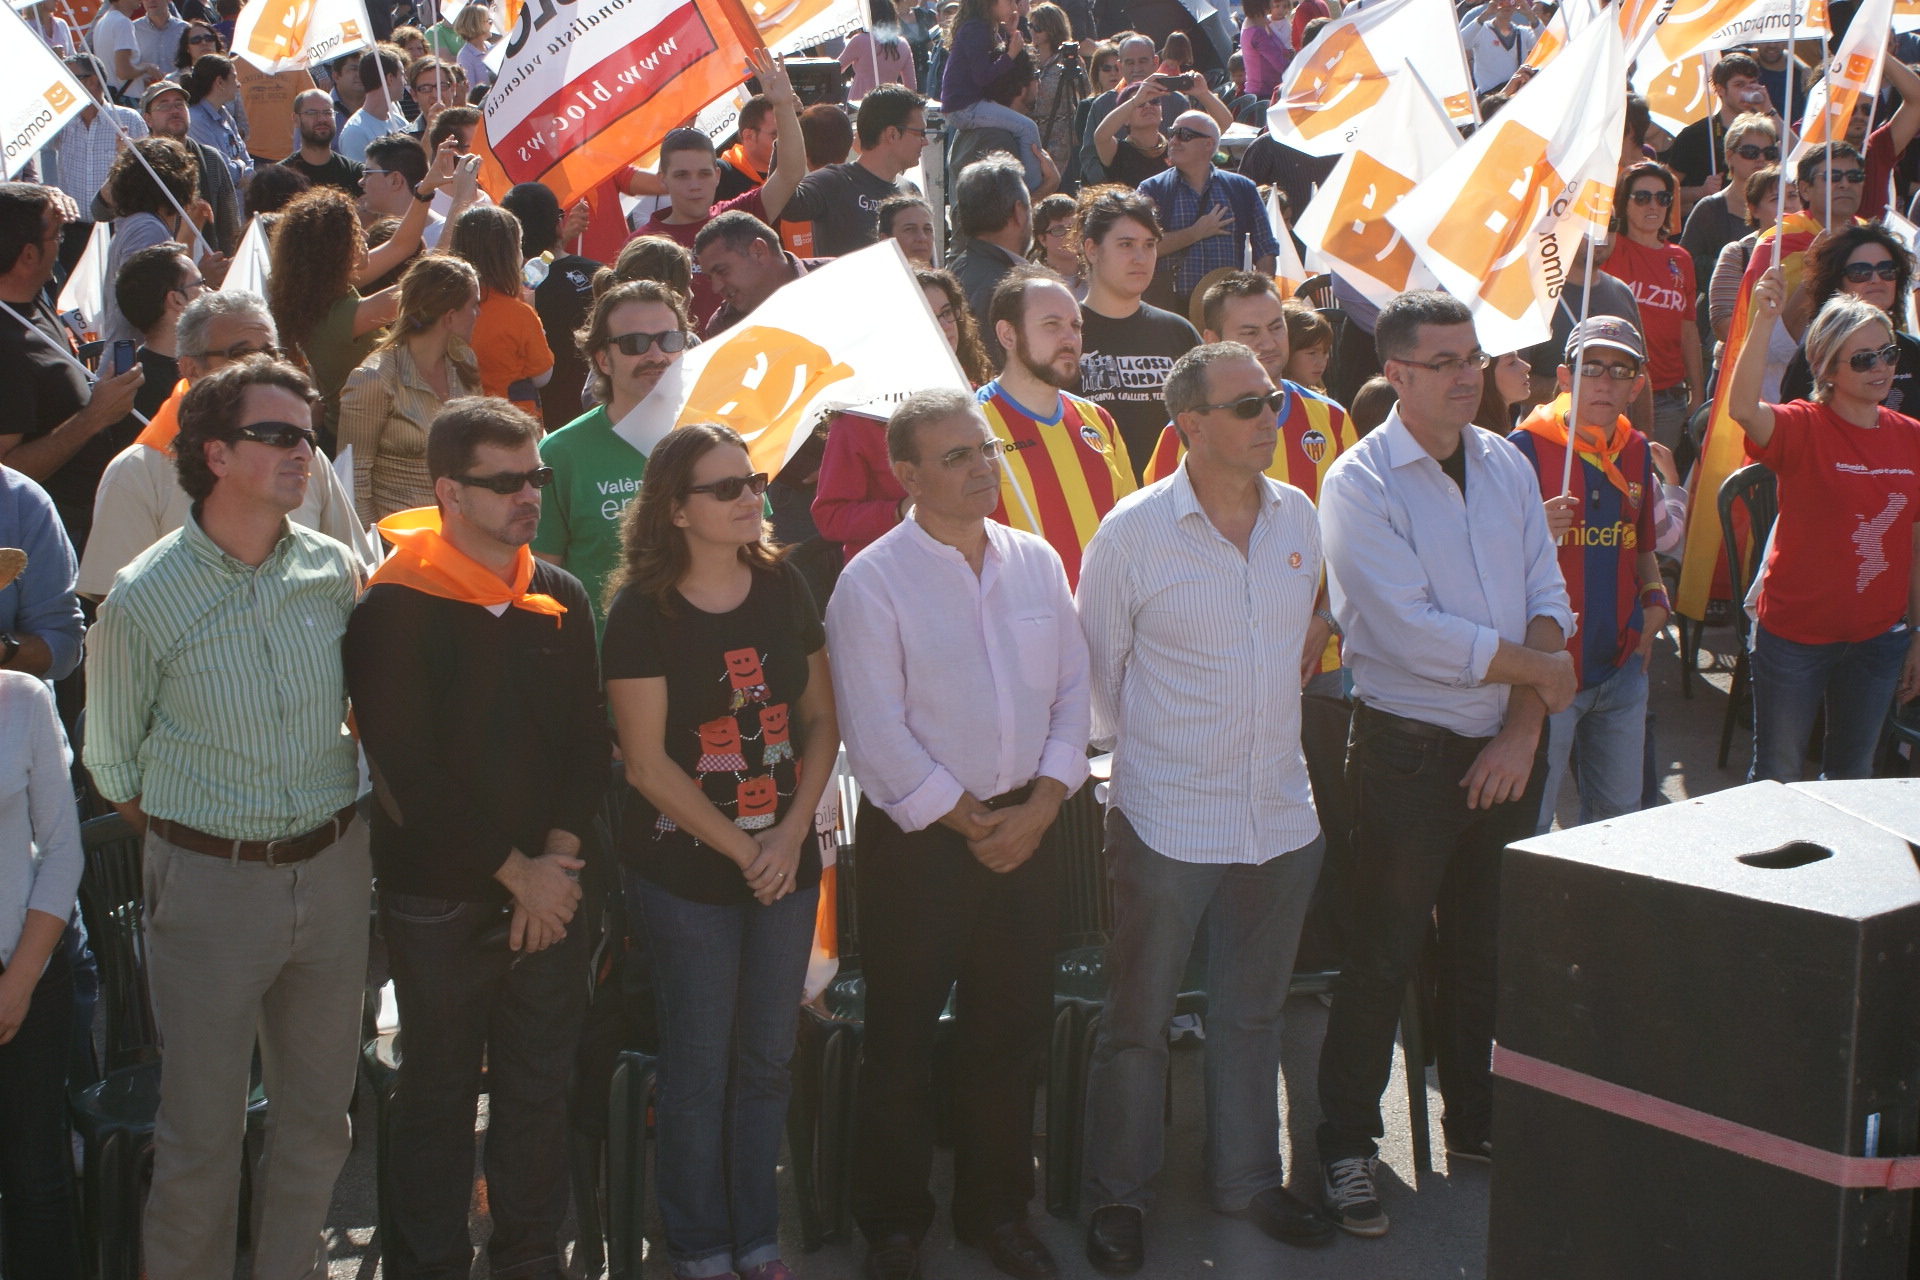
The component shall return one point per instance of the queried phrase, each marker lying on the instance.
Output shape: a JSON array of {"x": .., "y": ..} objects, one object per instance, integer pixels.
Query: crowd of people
[{"x": 357, "y": 586}]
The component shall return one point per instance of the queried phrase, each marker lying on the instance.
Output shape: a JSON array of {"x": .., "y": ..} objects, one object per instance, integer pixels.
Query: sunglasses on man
[
  {"x": 508, "y": 483},
  {"x": 730, "y": 488},
  {"x": 1184, "y": 134},
  {"x": 1854, "y": 177},
  {"x": 277, "y": 435},
  {"x": 637, "y": 344},
  {"x": 1249, "y": 407},
  {"x": 1864, "y": 361},
  {"x": 1861, "y": 272}
]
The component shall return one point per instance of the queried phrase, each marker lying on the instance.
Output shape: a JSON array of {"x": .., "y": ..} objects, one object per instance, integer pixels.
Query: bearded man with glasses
[
  {"x": 140, "y": 498},
  {"x": 216, "y": 725},
  {"x": 476, "y": 691},
  {"x": 634, "y": 332},
  {"x": 1446, "y": 584}
]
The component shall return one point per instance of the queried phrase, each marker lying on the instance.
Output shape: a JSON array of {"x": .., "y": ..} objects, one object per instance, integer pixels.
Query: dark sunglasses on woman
[
  {"x": 637, "y": 344},
  {"x": 1747, "y": 151},
  {"x": 1643, "y": 196},
  {"x": 1863, "y": 361},
  {"x": 1861, "y": 272},
  {"x": 729, "y": 489}
]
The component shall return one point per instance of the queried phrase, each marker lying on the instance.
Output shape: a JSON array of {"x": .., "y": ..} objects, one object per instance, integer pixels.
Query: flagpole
[
  {"x": 1573, "y": 406},
  {"x": 1786, "y": 114}
]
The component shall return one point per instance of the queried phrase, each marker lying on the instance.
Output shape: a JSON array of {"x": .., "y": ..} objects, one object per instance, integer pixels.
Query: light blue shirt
[
  {"x": 1425, "y": 584},
  {"x": 363, "y": 127},
  {"x": 215, "y": 127},
  {"x": 40, "y": 601}
]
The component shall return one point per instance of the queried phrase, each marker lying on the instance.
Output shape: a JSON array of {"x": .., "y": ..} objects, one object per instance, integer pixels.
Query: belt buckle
[{"x": 273, "y": 858}]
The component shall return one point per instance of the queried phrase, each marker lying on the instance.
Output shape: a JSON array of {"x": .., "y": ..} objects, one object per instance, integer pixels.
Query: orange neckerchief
[
  {"x": 164, "y": 425},
  {"x": 427, "y": 562},
  {"x": 1549, "y": 422},
  {"x": 736, "y": 155}
]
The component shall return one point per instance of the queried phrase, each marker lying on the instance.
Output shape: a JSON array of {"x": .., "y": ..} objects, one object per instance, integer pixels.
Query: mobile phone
[
  {"x": 122, "y": 355},
  {"x": 1182, "y": 82}
]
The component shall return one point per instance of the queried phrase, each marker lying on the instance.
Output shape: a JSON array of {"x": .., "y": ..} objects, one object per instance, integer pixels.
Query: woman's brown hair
[
  {"x": 434, "y": 284},
  {"x": 317, "y": 245},
  {"x": 972, "y": 355},
  {"x": 131, "y": 189},
  {"x": 653, "y": 550},
  {"x": 653, "y": 258},
  {"x": 1623, "y": 194},
  {"x": 488, "y": 237}
]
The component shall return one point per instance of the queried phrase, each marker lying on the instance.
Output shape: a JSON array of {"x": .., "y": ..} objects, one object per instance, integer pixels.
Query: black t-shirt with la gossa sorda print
[{"x": 732, "y": 682}]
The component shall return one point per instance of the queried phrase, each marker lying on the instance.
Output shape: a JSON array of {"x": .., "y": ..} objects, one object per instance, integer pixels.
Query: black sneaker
[
  {"x": 1480, "y": 1152},
  {"x": 1351, "y": 1199}
]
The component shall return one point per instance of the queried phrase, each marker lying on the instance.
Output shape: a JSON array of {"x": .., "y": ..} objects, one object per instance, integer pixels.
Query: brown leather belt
[
  {"x": 275, "y": 853},
  {"x": 1008, "y": 799}
]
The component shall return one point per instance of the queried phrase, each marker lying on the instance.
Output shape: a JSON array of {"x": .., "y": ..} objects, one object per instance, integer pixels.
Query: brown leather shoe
[{"x": 1014, "y": 1250}]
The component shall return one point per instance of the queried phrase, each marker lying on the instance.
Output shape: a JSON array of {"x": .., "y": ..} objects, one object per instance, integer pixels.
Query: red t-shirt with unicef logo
[
  {"x": 1843, "y": 544},
  {"x": 1662, "y": 282}
]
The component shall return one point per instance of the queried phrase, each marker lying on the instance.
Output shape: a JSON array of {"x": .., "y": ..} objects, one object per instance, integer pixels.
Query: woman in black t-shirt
[{"x": 716, "y": 669}]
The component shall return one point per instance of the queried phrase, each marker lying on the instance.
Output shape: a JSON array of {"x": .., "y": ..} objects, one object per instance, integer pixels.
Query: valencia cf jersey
[{"x": 1060, "y": 475}]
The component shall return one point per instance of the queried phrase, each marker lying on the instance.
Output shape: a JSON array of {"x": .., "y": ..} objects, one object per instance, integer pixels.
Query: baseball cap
[
  {"x": 1606, "y": 331},
  {"x": 158, "y": 88}
]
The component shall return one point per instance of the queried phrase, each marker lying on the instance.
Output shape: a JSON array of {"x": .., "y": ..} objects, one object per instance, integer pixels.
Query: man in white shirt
[
  {"x": 1447, "y": 586},
  {"x": 86, "y": 145},
  {"x": 960, "y": 677},
  {"x": 1196, "y": 595},
  {"x": 115, "y": 44},
  {"x": 140, "y": 499},
  {"x": 381, "y": 75},
  {"x": 1496, "y": 43},
  {"x": 158, "y": 34}
]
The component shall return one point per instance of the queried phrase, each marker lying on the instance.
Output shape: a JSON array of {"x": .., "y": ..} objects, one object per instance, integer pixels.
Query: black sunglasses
[
  {"x": 1747, "y": 151},
  {"x": 1249, "y": 406},
  {"x": 1855, "y": 176},
  {"x": 277, "y": 435},
  {"x": 1863, "y": 361},
  {"x": 508, "y": 483},
  {"x": 1662, "y": 198},
  {"x": 729, "y": 489},
  {"x": 637, "y": 344},
  {"x": 201, "y": 38},
  {"x": 1861, "y": 272},
  {"x": 1188, "y": 135}
]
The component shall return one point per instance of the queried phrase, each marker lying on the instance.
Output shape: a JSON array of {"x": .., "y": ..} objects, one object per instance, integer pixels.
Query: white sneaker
[{"x": 1352, "y": 1201}]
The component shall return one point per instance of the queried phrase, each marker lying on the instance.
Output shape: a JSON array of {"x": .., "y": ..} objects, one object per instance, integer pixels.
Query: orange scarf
[
  {"x": 164, "y": 425},
  {"x": 427, "y": 562},
  {"x": 736, "y": 155},
  {"x": 1549, "y": 423}
]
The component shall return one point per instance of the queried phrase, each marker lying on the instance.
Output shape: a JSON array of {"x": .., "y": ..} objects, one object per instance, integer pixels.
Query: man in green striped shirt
[{"x": 216, "y": 724}]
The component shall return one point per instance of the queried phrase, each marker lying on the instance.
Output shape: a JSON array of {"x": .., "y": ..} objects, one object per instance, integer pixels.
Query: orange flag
[{"x": 585, "y": 89}]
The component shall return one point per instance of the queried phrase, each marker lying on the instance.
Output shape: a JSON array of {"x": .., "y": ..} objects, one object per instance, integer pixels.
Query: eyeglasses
[
  {"x": 918, "y": 133},
  {"x": 508, "y": 483},
  {"x": 1747, "y": 151},
  {"x": 989, "y": 451},
  {"x": 1058, "y": 231},
  {"x": 277, "y": 435},
  {"x": 638, "y": 344},
  {"x": 188, "y": 286},
  {"x": 375, "y": 173},
  {"x": 1663, "y": 197},
  {"x": 1861, "y": 272},
  {"x": 1450, "y": 365},
  {"x": 1854, "y": 176},
  {"x": 729, "y": 489},
  {"x": 1248, "y": 407},
  {"x": 1864, "y": 361},
  {"x": 1618, "y": 372},
  {"x": 1184, "y": 134},
  {"x": 315, "y": 115}
]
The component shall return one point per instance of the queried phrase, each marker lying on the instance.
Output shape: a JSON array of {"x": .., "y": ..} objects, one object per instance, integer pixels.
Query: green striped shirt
[{"x": 215, "y": 691}]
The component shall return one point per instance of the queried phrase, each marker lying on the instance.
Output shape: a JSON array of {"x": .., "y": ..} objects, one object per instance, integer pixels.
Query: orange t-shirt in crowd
[{"x": 510, "y": 346}]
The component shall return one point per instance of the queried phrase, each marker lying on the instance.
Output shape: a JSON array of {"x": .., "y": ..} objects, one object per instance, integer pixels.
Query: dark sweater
[{"x": 482, "y": 733}]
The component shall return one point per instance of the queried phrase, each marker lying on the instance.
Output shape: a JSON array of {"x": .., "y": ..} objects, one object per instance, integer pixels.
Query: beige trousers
[{"x": 240, "y": 952}]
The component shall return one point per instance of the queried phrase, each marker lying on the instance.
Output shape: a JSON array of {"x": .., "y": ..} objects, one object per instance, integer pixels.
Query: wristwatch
[
  {"x": 423, "y": 197},
  {"x": 9, "y": 646},
  {"x": 1326, "y": 616}
]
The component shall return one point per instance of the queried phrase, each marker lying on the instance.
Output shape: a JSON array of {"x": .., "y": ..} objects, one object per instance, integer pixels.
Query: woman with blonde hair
[
  {"x": 421, "y": 362},
  {"x": 474, "y": 25},
  {"x": 509, "y": 342},
  {"x": 318, "y": 261}
]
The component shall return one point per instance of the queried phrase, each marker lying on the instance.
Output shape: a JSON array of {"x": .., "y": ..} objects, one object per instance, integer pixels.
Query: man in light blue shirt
[
  {"x": 39, "y": 613},
  {"x": 380, "y": 75},
  {"x": 1447, "y": 587}
]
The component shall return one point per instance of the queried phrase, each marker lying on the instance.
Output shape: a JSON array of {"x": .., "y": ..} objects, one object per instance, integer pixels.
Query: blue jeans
[
  {"x": 1609, "y": 722},
  {"x": 465, "y": 999},
  {"x": 992, "y": 115},
  {"x": 1791, "y": 681},
  {"x": 1253, "y": 913},
  {"x": 37, "y": 1235},
  {"x": 728, "y": 981}
]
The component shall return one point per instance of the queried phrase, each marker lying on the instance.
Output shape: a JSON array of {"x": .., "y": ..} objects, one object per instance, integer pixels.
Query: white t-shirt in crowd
[{"x": 114, "y": 33}]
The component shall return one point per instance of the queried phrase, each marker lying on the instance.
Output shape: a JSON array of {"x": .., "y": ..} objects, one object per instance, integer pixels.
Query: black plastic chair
[
  {"x": 1751, "y": 487},
  {"x": 629, "y": 1117},
  {"x": 1316, "y": 291}
]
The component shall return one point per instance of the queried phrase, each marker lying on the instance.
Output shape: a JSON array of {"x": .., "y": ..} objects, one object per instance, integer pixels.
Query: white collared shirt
[
  {"x": 1425, "y": 584},
  {"x": 1196, "y": 670},
  {"x": 947, "y": 682}
]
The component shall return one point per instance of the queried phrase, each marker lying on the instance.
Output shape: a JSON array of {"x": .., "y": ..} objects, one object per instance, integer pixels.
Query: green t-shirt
[
  {"x": 333, "y": 353},
  {"x": 596, "y": 474}
]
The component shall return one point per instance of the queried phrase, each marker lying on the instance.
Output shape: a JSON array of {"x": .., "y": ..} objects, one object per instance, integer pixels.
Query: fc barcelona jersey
[
  {"x": 1061, "y": 475},
  {"x": 1599, "y": 554}
]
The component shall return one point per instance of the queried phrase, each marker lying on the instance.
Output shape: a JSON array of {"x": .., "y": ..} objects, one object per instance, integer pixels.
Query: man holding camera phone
[{"x": 1698, "y": 153}]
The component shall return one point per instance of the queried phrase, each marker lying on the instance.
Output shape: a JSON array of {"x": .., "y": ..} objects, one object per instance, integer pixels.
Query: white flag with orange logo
[
  {"x": 38, "y": 95},
  {"x": 1498, "y": 221},
  {"x": 1568, "y": 20},
  {"x": 776, "y": 373},
  {"x": 1683, "y": 27},
  {"x": 289, "y": 35},
  {"x": 1853, "y": 76},
  {"x": 1679, "y": 93},
  {"x": 1405, "y": 139},
  {"x": 1336, "y": 82},
  {"x": 1288, "y": 271}
]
